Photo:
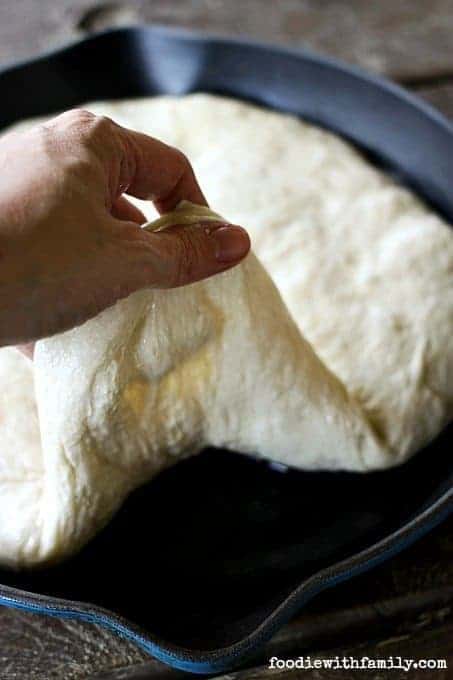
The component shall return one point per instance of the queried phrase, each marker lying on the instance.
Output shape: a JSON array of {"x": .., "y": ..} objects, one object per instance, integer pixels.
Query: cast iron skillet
[{"x": 203, "y": 564}]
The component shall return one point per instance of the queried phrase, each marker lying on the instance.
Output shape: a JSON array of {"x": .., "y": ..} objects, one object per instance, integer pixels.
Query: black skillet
[{"x": 203, "y": 564}]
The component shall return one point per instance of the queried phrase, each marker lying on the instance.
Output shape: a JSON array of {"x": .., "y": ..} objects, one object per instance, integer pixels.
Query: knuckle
[
  {"x": 75, "y": 121},
  {"x": 78, "y": 117},
  {"x": 85, "y": 125},
  {"x": 85, "y": 141},
  {"x": 100, "y": 124}
]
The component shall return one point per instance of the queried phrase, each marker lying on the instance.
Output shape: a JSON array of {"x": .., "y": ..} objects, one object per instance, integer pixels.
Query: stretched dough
[{"x": 365, "y": 269}]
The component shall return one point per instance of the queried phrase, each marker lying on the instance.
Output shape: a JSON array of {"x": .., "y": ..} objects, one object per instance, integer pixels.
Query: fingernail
[{"x": 232, "y": 243}]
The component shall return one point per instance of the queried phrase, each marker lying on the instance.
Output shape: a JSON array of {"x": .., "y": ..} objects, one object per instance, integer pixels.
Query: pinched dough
[{"x": 348, "y": 365}]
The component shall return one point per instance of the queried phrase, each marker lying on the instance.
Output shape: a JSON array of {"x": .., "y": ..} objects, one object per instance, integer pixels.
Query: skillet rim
[{"x": 224, "y": 658}]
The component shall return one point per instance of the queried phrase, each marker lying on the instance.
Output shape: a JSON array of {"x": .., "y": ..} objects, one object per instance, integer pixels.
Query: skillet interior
[{"x": 203, "y": 553}]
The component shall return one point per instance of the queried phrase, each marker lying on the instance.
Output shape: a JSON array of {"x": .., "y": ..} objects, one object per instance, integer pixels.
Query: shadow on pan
[
  {"x": 201, "y": 558},
  {"x": 204, "y": 551}
]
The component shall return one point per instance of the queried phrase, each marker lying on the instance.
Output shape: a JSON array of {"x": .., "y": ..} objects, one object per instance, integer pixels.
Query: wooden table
[{"x": 404, "y": 607}]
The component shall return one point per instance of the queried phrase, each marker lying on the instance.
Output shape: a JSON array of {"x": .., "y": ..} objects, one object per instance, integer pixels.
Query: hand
[{"x": 71, "y": 243}]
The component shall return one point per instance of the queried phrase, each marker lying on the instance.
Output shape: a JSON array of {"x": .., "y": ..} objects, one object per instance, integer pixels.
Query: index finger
[
  {"x": 156, "y": 171},
  {"x": 133, "y": 162}
]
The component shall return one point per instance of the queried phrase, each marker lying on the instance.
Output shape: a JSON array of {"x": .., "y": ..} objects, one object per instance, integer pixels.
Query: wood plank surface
[
  {"x": 405, "y": 606},
  {"x": 440, "y": 96},
  {"x": 407, "y": 40}
]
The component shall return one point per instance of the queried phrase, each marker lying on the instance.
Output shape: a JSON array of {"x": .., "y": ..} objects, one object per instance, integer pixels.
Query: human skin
[{"x": 70, "y": 241}]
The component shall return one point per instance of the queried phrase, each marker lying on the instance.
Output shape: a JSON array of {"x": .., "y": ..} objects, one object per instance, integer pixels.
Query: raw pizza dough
[{"x": 363, "y": 270}]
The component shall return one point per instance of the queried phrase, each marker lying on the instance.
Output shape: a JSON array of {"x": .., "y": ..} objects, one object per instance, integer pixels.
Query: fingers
[
  {"x": 119, "y": 161},
  {"x": 158, "y": 172},
  {"x": 123, "y": 209},
  {"x": 133, "y": 162},
  {"x": 149, "y": 169},
  {"x": 181, "y": 255}
]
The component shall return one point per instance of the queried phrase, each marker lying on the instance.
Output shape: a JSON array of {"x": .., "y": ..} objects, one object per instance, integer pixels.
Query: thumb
[{"x": 183, "y": 254}]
